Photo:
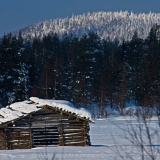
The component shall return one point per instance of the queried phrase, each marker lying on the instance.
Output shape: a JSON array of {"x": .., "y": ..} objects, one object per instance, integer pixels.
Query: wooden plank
[
  {"x": 19, "y": 141},
  {"x": 42, "y": 119},
  {"x": 2, "y": 140},
  {"x": 42, "y": 141},
  {"x": 18, "y": 134},
  {"x": 73, "y": 127},
  {"x": 1, "y": 132},
  {"x": 47, "y": 137},
  {"x": 44, "y": 125},
  {"x": 48, "y": 117},
  {"x": 73, "y": 134},
  {"x": 73, "y": 130},
  {"x": 17, "y": 130},
  {"x": 53, "y": 121},
  {"x": 44, "y": 131},
  {"x": 45, "y": 134},
  {"x": 74, "y": 124},
  {"x": 77, "y": 142},
  {"x": 2, "y": 137},
  {"x": 45, "y": 128},
  {"x": 2, "y": 144},
  {"x": 60, "y": 131},
  {"x": 74, "y": 141},
  {"x": 19, "y": 138},
  {"x": 71, "y": 121},
  {"x": 72, "y": 137},
  {"x": 85, "y": 132},
  {"x": 30, "y": 132}
]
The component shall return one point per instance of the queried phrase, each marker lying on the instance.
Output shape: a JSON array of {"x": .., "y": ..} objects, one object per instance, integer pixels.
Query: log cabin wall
[
  {"x": 46, "y": 127},
  {"x": 3, "y": 144}
]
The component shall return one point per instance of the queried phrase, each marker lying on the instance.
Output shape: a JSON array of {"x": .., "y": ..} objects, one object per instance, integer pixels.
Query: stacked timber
[
  {"x": 18, "y": 138},
  {"x": 73, "y": 135}
]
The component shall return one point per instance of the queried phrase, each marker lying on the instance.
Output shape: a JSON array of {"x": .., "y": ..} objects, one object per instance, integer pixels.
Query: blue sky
[{"x": 16, "y": 14}]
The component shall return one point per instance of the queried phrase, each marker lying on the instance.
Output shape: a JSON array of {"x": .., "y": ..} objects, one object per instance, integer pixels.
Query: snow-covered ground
[{"x": 108, "y": 143}]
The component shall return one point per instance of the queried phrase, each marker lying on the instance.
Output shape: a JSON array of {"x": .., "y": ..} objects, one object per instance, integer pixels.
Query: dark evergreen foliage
[{"x": 83, "y": 70}]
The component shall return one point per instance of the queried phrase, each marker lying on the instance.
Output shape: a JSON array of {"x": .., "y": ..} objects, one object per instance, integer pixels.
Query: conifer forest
[{"x": 85, "y": 70}]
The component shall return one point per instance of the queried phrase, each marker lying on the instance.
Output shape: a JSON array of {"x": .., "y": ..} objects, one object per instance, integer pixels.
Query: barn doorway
[{"x": 45, "y": 136}]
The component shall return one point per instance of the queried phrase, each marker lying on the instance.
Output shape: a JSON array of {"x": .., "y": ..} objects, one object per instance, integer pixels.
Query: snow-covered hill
[{"x": 113, "y": 24}]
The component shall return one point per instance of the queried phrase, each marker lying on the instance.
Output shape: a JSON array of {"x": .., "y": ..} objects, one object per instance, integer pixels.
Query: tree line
[{"x": 87, "y": 70}]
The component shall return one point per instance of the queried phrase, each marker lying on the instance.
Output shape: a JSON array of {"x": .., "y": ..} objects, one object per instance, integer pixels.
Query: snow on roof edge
[
  {"x": 21, "y": 109},
  {"x": 64, "y": 105}
]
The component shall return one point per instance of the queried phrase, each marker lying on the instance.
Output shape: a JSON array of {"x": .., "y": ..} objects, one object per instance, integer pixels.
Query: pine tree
[
  {"x": 123, "y": 90},
  {"x": 135, "y": 51},
  {"x": 14, "y": 72}
]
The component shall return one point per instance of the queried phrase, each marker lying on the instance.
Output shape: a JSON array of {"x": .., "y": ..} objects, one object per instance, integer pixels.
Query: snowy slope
[{"x": 113, "y": 24}]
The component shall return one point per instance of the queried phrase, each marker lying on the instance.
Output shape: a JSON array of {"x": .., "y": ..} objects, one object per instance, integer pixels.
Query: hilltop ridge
[{"x": 106, "y": 24}]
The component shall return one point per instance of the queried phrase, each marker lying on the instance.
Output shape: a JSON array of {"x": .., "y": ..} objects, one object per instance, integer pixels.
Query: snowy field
[{"x": 108, "y": 139}]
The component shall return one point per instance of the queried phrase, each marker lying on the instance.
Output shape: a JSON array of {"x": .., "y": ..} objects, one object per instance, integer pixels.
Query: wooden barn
[{"x": 38, "y": 122}]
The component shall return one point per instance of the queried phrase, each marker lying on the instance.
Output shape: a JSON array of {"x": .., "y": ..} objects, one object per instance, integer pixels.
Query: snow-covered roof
[{"x": 21, "y": 109}]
